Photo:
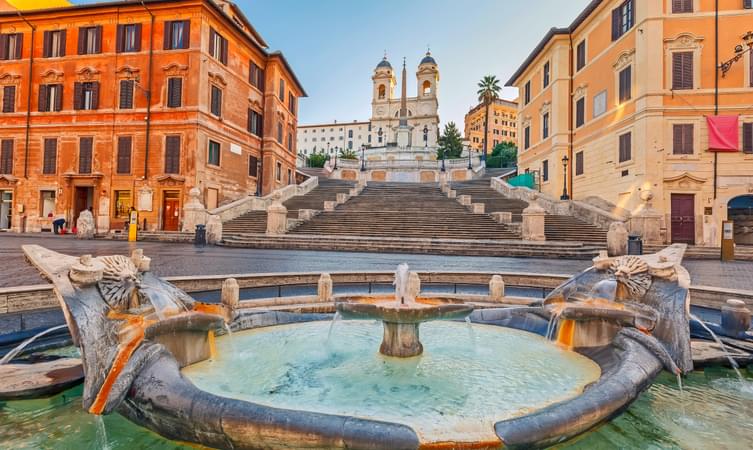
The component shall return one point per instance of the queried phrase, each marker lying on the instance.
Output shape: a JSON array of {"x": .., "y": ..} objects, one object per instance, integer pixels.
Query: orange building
[
  {"x": 624, "y": 93},
  {"x": 503, "y": 124},
  {"x": 113, "y": 105}
]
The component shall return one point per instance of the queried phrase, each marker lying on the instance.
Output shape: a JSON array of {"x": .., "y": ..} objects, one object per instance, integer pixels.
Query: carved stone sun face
[
  {"x": 632, "y": 272},
  {"x": 120, "y": 282}
]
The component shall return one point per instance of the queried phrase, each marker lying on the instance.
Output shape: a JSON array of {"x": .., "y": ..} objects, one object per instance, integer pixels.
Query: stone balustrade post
[
  {"x": 452, "y": 193},
  {"x": 478, "y": 208},
  {"x": 330, "y": 205},
  {"x": 277, "y": 218},
  {"x": 194, "y": 212},
  {"x": 214, "y": 230},
  {"x": 534, "y": 222},
  {"x": 496, "y": 288},
  {"x": 617, "y": 239},
  {"x": 324, "y": 288},
  {"x": 464, "y": 200},
  {"x": 342, "y": 198},
  {"x": 230, "y": 298},
  {"x": 502, "y": 217}
]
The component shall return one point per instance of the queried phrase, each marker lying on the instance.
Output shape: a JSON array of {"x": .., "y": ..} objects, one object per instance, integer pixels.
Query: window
[
  {"x": 126, "y": 94},
  {"x": 545, "y": 126},
  {"x": 682, "y": 70},
  {"x": 600, "y": 104},
  {"x": 253, "y": 166},
  {"x": 50, "y": 97},
  {"x": 216, "y": 101},
  {"x": 625, "y": 147},
  {"x": 47, "y": 200},
  {"x": 50, "y": 156},
  {"x": 527, "y": 94},
  {"x": 177, "y": 34},
  {"x": 282, "y": 90},
  {"x": 122, "y": 205},
  {"x": 6, "y": 157},
  {"x": 546, "y": 74},
  {"x": 90, "y": 40},
  {"x": 623, "y": 19},
  {"x": 128, "y": 39},
  {"x": 290, "y": 142},
  {"x": 175, "y": 92},
  {"x": 682, "y": 139},
  {"x": 682, "y": 6},
  {"x": 217, "y": 46},
  {"x": 172, "y": 154},
  {"x": 290, "y": 176},
  {"x": 527, "y": 137},
  {"x": 53, "y": 44},
  {"x": 213, "y": 155},
  {"x": 581, "y": 56},
  {"x": 278, "y": 171},
  {"x": 580, "y": 112},
  {"x": 279, "y": 132},
  {"x": 381, "y": 92},
  {"x": 748, "y": 4},
  {"x": 86, "y": 96},
  {"x": 579, "y": 163},
  {"x": 748, "y": 137},
  {"x": 11, "y": 45},
  {"x": 255, "y": 123},
  {"x": 545, "y": 170},
  {"x": 124, "y": 155},
  {"x": 9, "y": 99},
  {"x": 350, "y": 134},
  {"x": 291, "y": 102},
  {"x": 256, "y": 76},
  {"x": 626, "y": 88},
  {"x": 85, "y": 145}
]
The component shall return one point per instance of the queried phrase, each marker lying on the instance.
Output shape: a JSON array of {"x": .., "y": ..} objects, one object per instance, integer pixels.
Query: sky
[{"x": 334, "y": 46}]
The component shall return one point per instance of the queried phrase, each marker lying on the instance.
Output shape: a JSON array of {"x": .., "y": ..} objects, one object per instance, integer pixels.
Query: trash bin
[
  {"x": 200, "y": 238},
  {"x": 635, "y": 245}
]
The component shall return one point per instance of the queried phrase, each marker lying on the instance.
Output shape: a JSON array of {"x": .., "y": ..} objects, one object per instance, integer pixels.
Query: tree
[
  {"x": 450, "y": 143},
  {"x": 504, "y": 154},
  {"x": 317, "y": 159},
  {"x": 348, "y": 154},
  {"x": 488, "y": 91}
]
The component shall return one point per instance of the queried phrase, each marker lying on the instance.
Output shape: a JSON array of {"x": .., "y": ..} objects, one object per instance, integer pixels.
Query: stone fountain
[{"x": 402, "y": 315}]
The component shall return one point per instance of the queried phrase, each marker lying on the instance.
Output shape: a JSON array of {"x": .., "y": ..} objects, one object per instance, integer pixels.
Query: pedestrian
[{"x": 58, "y": 224}]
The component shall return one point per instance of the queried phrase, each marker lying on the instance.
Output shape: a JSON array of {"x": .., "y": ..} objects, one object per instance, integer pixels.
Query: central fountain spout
[{"x": 403, "y": 315}]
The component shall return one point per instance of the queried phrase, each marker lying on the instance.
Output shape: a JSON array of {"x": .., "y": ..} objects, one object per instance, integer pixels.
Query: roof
[
  {"x": 500, "y": 101},
  {"x": 278, "y": 54},
  {"x": 384, "y": 63},
  {"x": 26, "y": 5},
  {"x": 334, "y": 124},
  {"x": 590, "y": 8},
  {"x": 428, "y": 59}
]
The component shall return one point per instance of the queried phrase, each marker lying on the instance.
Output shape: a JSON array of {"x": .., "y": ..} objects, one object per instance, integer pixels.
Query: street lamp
[
  {"x": 426, "y": 136},
  {"x": 335, "y": 168},
  {"x": 740, "y": 51},
  {"x": 470, "y": 167},
  {"x": 379, "y": 133},
  {"x": 565, "y": 159},
  {"x": 363, "y": 158},
  {"x": 444, "y": 154}
]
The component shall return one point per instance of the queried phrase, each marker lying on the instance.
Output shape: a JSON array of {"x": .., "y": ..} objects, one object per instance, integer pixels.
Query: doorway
[
  {"x": 83, "y": 200},
  {"x": 740, "y": 211},
  {"x": 683, "y": 218},
  {"x": 171, "y": 211},
  {"x": 6, "y": 209}
]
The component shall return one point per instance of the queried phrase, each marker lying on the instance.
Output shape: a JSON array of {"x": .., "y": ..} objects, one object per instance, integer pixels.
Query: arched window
[
  {"x": 426, "y": 87},
  {"x": 382, "y": 92}
]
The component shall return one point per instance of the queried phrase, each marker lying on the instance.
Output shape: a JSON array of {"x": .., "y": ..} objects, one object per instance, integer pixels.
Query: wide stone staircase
[
  {"x": 256, "y": 221},
  {"x": 556, "y": 227}
]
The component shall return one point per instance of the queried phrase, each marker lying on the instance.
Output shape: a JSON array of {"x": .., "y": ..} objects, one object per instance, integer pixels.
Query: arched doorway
[{"x": 740, "y": 210}]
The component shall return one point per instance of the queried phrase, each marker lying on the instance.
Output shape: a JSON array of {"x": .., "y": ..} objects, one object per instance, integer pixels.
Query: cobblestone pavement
[{"x": 184, "y": 259}]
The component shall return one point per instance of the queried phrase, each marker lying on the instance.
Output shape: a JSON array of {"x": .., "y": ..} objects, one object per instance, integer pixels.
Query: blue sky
[{"x": 334, "y": 45}]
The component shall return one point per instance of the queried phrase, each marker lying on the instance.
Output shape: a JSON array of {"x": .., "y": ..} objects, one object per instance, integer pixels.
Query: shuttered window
[
  {"x": 6, "y": 157},
  {"x": 85, "y": 145},
  {"x": 216, "y": 101},
  {"x": 545, "y": 170},
  {"x": 748, "y": 4},
  {"x": 682, "y": 6},
  {"x": 217, "y": 46},
  {"x": 253, "y": 166},
  {"x": 9, "y": 99},
  {"x": 527, "y": 93},
  {"x": 53, "y": 45},
  {"x": 90, "y": 40},
  {"x": 291, "y": 102},
  {"x": 50, "y": 97},
  {"x": 623, "y": 19},
  {"x": 579, "y": 163},
  {"x": 255, "y": 123},
  {"x": 174, "y": 92},
  {"x": 682, "y": 139},
  {"x": 581, "y": 55},
  {"x": 256, "y": 76},
  {"x": 126, "y": 94},
  {"x": 128, "y": 38},
  {"x": 626, "y": 153},
  {"x": 281, "y": 93},
  {"x": 545, "y": 126},
  {"x": 682, "y": 70},
  {"x": 213, "y": 153},
  {"x": 626, "y": 84},
  {"x": 11, "y": 46},
  {"x": 547, "y": 74},
  {"x": 527, "y": 138},
  {"x": 279, "y": 132},
  {"x": 580, "y": 112},
  {"x": 748, "y": 137},
  {"x": 124, "y": 155},
  {"x": 172, "y": 154},
  {"x": 86, "y": 95},
  {"x": 50, "y": 156},
  {"x": 177, "y": 34}
]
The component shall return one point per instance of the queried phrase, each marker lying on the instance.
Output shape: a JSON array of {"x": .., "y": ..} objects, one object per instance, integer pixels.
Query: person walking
[{"x": 58, "y": 224}]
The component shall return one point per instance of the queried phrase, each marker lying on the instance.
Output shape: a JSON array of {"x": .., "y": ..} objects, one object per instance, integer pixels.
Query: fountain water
[
  {"x": 332, "y": 326},
  {"x": 16, "y": 351},
  {"x": 103, "y": 442},
  {"x": 721, "y": 345}
]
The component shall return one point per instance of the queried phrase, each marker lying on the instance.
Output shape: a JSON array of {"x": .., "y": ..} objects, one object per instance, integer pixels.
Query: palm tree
[{"x": 488, "y": 91}]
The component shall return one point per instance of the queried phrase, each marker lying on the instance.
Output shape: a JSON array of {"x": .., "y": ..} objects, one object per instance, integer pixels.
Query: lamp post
[
  {"x": 740, "y": 51},
  {"x": 335, "y": 168},
  {"x": 470, "y": 167},
  {"x": 363, "y": 158},
  {"x": 444, "y": 154},
  {"x": 379, "y": 133},
  {"x": 564, "y": 184},
  {"x": 426, "y": 136}
]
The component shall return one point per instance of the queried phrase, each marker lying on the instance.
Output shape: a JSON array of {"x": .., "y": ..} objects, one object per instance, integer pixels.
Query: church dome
[
  {"x": 428, "y": 59},
  {"x": 384, "y": 64}
]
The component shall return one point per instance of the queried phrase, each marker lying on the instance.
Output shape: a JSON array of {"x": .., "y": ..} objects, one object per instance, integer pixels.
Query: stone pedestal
[
  {"x": 401, "y": 340},
  {"x": 214, "y": 230},
  {"x": 648, "y": 224},
  {"x": 478, "y": 208},
  {"x": 306, "y": 214},
  {"x": 230, "y": 297},
  {"x": 533, "y": 222},
  {"x": 403, "y": 136},
  {"x": 342, "y": 198},
  {"x": 194, "y": 212},
  {"x": 496, "y": 288},
  {"x": 277, "y": 218},
  {"x": 617, "y": 239},
  {"x": 452, "y": 193},
  {"x": 502, "y": 217},
  {"x": 464, "y": 200},
  {"x": 324, "y": 288},
  {"x": 85, "y": 225},
  {"x": 735, "y": 319},
  {"x": 329, "y": 205}
]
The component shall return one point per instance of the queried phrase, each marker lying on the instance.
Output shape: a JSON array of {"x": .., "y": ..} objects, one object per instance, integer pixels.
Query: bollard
[{"x": 230, "y": 297}]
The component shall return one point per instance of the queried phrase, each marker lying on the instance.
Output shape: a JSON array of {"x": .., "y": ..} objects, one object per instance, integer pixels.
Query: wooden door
[
  {"x": 171, "y": 214},
  {"x": 683, "y": 218},
  {"x": 81, "y": 203}
]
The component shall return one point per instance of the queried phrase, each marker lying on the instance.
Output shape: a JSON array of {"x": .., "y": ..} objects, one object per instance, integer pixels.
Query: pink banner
[{"x": 723, "y": 133}]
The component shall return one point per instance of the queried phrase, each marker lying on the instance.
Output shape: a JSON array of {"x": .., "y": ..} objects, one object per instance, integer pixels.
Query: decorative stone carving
[
  {"x": 175, "y": 69},
  {"x": 87, "y": 272},
  {"x": 85, "y": 225},
  {"x": 324, "y": 288},
  {"x": 496, "y": 288},
  {"x": 647, "y": 222},
  {"x": 119, "y": 283},
  {"x": 146, "y": 196},
  {"x": 624, "y": 60},
  {"x": 88, "y": 74},
  {"x": 52, "y": 76},
  {"x": 632, "y": 272},
  {"x": 617, "y": 239},
  {"x": 230, "y": 297}
]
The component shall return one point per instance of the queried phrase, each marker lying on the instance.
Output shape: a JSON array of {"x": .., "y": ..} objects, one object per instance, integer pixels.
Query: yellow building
[
  {"x": 624, "y": 93},
  {"x": 503, "y": 126}
]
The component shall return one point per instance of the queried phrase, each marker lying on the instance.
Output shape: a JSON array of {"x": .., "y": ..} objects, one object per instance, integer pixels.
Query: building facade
[
  {"x": 331, "y": 138},
  {"x": 503, "y": 124},
  {"x": 117, "y": 105},
  {"x": 624, "y": 93}
]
